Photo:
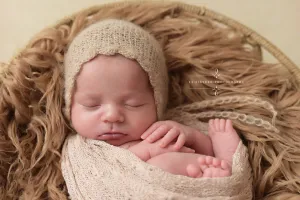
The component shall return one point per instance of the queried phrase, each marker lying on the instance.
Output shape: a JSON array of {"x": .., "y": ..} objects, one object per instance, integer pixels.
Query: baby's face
[{"x": 112, "y": 100}]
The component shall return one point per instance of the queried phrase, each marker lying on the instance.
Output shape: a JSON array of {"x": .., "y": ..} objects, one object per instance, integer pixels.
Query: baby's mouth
[{"x": 111, "y": 136}]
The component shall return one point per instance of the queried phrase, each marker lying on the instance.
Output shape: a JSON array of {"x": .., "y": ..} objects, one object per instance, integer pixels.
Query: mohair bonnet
[{"x": 110, "y": 37}]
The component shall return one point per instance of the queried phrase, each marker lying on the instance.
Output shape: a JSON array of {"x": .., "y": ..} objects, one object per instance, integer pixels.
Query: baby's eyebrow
[
  {"x": 133, "y": 94},
  {"x": 89, "y": 95}
]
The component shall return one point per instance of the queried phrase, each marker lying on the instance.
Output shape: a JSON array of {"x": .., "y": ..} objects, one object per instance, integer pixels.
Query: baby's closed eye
[
  {"x": 134, "y": 105},
  {"x": 90, "y": 104}
]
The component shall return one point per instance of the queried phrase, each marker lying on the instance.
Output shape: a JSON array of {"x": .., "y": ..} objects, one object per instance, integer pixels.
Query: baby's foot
[
  {"x": 224, "y": 138},
  {"x": 209, "y": 167}
]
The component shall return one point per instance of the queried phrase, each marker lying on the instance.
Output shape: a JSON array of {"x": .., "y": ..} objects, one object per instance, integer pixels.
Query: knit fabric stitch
[{"x": 191, "y": 114}]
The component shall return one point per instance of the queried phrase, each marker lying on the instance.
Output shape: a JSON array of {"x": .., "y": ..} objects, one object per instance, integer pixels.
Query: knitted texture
[
  {"x": 101, "y": 171},
  {"x": 110, "y": 37},
  {"x": 188, "y": 113}
]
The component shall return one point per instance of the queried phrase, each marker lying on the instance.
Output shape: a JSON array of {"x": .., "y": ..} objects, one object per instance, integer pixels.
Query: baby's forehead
[
  {"x": 115, "y": 60},
  {"x": 113, "y": 72},
  {"x": 117, "y": 67}
]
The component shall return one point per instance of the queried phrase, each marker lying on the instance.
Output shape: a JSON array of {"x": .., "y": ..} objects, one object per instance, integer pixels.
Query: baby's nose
[{"x": 112, "y": 114}]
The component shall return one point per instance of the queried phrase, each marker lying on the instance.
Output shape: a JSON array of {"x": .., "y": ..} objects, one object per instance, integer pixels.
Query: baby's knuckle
[
  {"x": 171, "y": 123},
  {"x": 161, "y": 127},
  {"x": 177, "y": 129}
]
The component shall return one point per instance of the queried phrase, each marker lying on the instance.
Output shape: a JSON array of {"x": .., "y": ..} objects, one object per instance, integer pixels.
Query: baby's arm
[{"x": 139, "y": 150}]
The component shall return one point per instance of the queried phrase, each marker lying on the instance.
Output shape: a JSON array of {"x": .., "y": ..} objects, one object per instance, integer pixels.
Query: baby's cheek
[
  {"x": 83, "y": 127},
  {"x": 79, "y": 120},
  {"x": 76, "y": 123},
  {"x": 145, "y": 122}
]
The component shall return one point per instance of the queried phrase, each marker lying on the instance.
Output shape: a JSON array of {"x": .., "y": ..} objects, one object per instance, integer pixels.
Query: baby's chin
[{"x": 117, "y": 142}]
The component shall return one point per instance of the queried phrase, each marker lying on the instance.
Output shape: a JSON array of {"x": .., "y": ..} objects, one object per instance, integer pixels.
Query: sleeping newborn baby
[{"x": 118, "y": 94}]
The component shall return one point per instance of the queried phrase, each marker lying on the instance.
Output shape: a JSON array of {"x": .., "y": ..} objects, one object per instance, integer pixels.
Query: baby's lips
[
  {"x": 112, "y": 132},
  {"x": 111, "y": 136}
]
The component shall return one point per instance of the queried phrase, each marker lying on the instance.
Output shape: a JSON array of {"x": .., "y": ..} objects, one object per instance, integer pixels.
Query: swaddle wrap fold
[{"x": 96, "y": 170}]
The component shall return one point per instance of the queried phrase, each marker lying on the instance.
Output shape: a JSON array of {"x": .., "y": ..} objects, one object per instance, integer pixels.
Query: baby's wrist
[{"x": 191, "y": 137}]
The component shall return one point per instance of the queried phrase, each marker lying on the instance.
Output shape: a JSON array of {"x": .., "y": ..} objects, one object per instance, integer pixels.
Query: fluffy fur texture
[{"x": 33, "y": 128}]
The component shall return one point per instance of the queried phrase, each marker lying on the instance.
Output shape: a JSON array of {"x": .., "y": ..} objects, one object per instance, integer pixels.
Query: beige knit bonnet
[{"x": 110, "y": 37}]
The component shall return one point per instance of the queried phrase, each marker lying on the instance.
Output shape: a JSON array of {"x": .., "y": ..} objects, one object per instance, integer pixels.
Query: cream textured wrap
[{"x": 96, "y": 170}]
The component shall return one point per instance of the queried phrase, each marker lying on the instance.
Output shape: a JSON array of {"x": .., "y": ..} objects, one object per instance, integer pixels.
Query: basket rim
[{"x": 201, "y": 11}]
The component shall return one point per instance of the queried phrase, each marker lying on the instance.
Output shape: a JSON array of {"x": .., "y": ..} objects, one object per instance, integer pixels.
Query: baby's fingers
[
  {"x": 169, "y": 137},
  {"x": 157, "y": 134},
  {"x": 150, "y": 130},
  {"x": 180, "y": 141}
]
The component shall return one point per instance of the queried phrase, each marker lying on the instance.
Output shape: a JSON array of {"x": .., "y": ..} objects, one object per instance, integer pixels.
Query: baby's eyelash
[
  {"x": 91, "y": 106},
  {"x": 134, "y": 106}
]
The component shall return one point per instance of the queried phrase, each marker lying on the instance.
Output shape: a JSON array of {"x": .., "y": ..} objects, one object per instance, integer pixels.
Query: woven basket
[{"x": 25, "y": 103}]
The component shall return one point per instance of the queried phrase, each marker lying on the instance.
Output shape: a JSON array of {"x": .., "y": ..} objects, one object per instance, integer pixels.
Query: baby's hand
[{"x": 168, "y": 131}]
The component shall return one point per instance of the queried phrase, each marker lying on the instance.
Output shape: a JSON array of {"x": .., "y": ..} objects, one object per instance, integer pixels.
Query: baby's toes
[
  {"x": 228, "y": 126},
  {"x": 202, "y": 160},
  {"x": 224, "y": 173},
  {"x": 211, "y": 127},
  {"x": 206, "y": 161},
  {"x": 222, "y": 125},
  {"x": 193, "y": 171},
  {"x": 207, "y": 173},
  {"x": 221, "y": 173},
  {"x": 216, "y": 123},
  {"x": 224, "y": 165},
  {"x": 209, "y": 160},
  {"x": 216, "y": 126},
  {"x": 216, "y": 162}
]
